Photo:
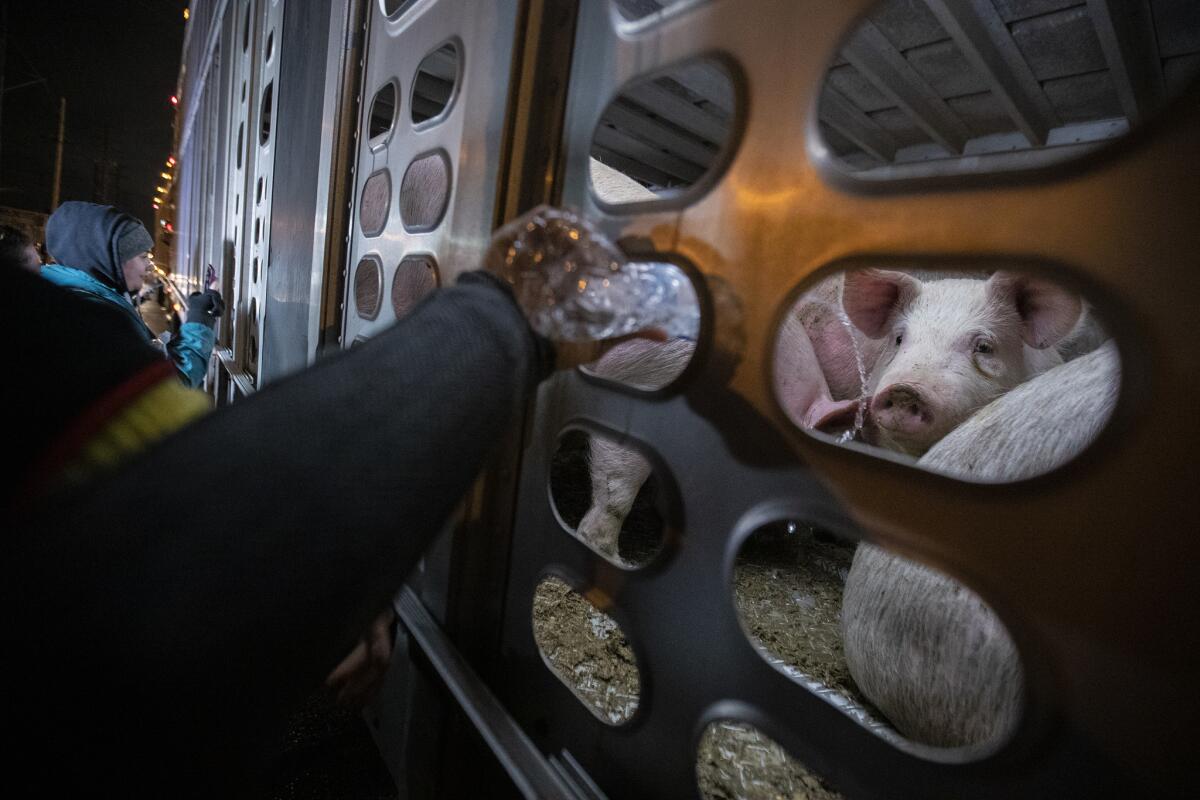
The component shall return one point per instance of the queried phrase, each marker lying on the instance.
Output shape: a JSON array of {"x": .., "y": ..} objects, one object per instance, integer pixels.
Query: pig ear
[
  {"x": 1048, "y": 312},
  {"x": 871, "y": 298}
]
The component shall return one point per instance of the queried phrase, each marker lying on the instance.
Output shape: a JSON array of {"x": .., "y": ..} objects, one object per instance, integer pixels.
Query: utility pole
[
  {"x": 62, "y": 122},
  {"x": 3, "y": 59}
]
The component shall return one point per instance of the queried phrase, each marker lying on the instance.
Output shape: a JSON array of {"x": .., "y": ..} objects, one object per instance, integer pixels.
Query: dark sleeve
[
  {"x": 221, "y": 576},
  {"x": 66, "y": 353}
]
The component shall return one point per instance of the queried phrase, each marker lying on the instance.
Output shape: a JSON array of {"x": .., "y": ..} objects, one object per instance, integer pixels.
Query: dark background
[{"x": 116, "y": 63}]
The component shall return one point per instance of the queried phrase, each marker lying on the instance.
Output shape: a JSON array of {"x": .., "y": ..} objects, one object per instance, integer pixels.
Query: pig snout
[{"x": 903, "y": 409}]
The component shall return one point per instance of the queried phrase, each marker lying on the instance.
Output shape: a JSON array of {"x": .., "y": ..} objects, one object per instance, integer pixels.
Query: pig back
[
  {"x": 1036, "y": 427},
  {"x": 928, "y": 653}
]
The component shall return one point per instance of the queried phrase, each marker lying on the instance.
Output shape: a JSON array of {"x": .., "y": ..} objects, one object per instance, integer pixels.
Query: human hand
[
  {"x": 205, "y": 307},
  {"x": 356, "y": 680}
]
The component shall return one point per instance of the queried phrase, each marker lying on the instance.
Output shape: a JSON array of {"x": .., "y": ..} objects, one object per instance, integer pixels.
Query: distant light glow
[
  {"x": 171, "y": 161},
  {"x": 187, "y": 13},
  {"x": 166, "y": 175},
  {"x": 174, "y": 100}
]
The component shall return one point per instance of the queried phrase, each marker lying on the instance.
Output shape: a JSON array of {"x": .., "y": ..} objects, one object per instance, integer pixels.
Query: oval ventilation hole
[
  {"x": 368, "y": 287},
  {"x": 392, "y": 9},
  {"x": 735, "y": 759},
  {"x": 258, "y": 192},
  {"x": 246, "y": 29},
  {"x": 640, "y": 9},
  {"x": 664, "y": 133},
  {"x": 254, "y": 271},
  {"x": 923, "y": 90},
  {"x": 1027, "y": 373},
  {"x": 416, "y": 276},
  {"x": 425, "y": 192},
  {"x": 241, "y": 144},
  {"x": 434, "y": 85},
  {"x": 270, "y": 46},
  {"x": 243, "y": 91},
  {"x": 587, "y": 651},
  {"x": 264, "y": 134},
  {"x": 647, "y": 364},
  {"x": 383, "y": 110},
  {"x": 252, "y": 335},
  {"x": 906, "y": 651},
  {"x": 607, "y": 495},
  {"x": 375, "y": 204}
]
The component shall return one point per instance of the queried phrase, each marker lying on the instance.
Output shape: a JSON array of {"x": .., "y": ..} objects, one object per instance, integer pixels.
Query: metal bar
[
  {"x": 1127, "y": 37},
  {"x": 674, "y": 108},
  {"x": 707, "y": 81},
  {"x": 624, "y": 144},
  {"x": 850, "y": 121},
  {"x": 870, "y": 52},
  {"x": 532, "y": 774},
  {"x": 631, "y": 119},
  {"x": 985, "y": 40},
  {"x": 634, "y": 169}
]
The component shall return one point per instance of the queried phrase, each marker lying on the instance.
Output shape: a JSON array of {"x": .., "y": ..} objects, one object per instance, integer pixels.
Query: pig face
[{"x": 951, "y": 346}]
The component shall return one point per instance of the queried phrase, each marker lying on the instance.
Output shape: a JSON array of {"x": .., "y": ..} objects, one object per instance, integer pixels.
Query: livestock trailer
[{"x": 339, "y": 159}]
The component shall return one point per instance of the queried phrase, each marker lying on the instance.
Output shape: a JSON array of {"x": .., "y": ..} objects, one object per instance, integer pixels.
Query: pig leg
[{"x": 617, "y": 473}]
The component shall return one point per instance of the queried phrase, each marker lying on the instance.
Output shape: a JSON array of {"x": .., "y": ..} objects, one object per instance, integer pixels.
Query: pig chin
[{"x": 901, "y": 442}]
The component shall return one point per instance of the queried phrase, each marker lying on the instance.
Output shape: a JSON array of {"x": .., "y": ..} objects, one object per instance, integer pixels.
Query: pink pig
[{"x": 949, "y": 347}]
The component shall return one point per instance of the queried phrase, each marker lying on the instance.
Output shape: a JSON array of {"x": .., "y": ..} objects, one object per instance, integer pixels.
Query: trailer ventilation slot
[
  {"x": 425, "y": 192},
  {"x": 383, "y": 111},
  {"x": 375, "y": 203},
  {"x": 905, "y": 651},
  {"x": 736, "y": 759},
  {"x": 936, "y": 88},
  {"x": 992, "y": 374},
  {"x": 368, "y": 287},
  {"x": 416, "y": 276},
  {"x": 434, "y": 85},
  {"x": 586, "y": 650},
  {"x": 664, "y": 133},
  {"x": 607, "y": 495}
]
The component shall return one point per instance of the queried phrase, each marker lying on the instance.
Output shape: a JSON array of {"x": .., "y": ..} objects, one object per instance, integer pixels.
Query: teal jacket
[{"x": 189, "y": 351}]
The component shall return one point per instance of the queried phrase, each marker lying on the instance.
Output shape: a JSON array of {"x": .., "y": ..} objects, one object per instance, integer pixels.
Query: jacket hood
[{"x": 86, "y": 236}]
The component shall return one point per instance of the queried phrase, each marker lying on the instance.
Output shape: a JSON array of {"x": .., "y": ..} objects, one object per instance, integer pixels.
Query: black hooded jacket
[{"x": 83, "y": 239}]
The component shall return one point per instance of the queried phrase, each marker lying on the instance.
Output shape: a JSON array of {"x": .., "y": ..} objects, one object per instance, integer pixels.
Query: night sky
[{"x": 116, "y": 63}]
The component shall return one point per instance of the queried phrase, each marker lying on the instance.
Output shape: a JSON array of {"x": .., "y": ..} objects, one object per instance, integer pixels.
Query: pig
[
  {"x": 1036, "y": 427},
  {"x": 926, "y": 651},
  {"x": 802, "y": 363},
  {"x": 618, "y": 472},
  {"x": 951, "y": 346}
]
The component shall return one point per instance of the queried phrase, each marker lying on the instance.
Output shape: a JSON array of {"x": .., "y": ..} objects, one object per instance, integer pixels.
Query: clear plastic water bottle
[{"x": 575, "y": 285}]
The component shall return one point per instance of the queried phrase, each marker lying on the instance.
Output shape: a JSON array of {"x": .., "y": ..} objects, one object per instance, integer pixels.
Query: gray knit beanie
[{"x": 132, "y": 241}]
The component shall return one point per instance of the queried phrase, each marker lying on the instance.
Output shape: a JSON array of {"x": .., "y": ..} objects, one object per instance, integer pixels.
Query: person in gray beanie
[{"x": 103, "y": 255}]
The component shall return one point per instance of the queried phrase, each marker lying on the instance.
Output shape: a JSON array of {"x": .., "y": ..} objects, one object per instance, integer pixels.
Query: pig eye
[
  {"x": 984, "y": 347},
  {"x": 899, "y": 339}
]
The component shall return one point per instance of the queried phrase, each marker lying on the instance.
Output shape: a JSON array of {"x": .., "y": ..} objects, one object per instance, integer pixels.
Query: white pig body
[{"x": 926, "y": 651}]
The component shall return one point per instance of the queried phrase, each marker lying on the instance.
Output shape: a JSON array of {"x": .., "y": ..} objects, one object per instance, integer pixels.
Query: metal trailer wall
[
  {"x": 272, "y": 76},
  {"x": 292, "y": 275},
  {"x": 1105, "y": 622},
  {"x": 1082, "y": 565}
]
